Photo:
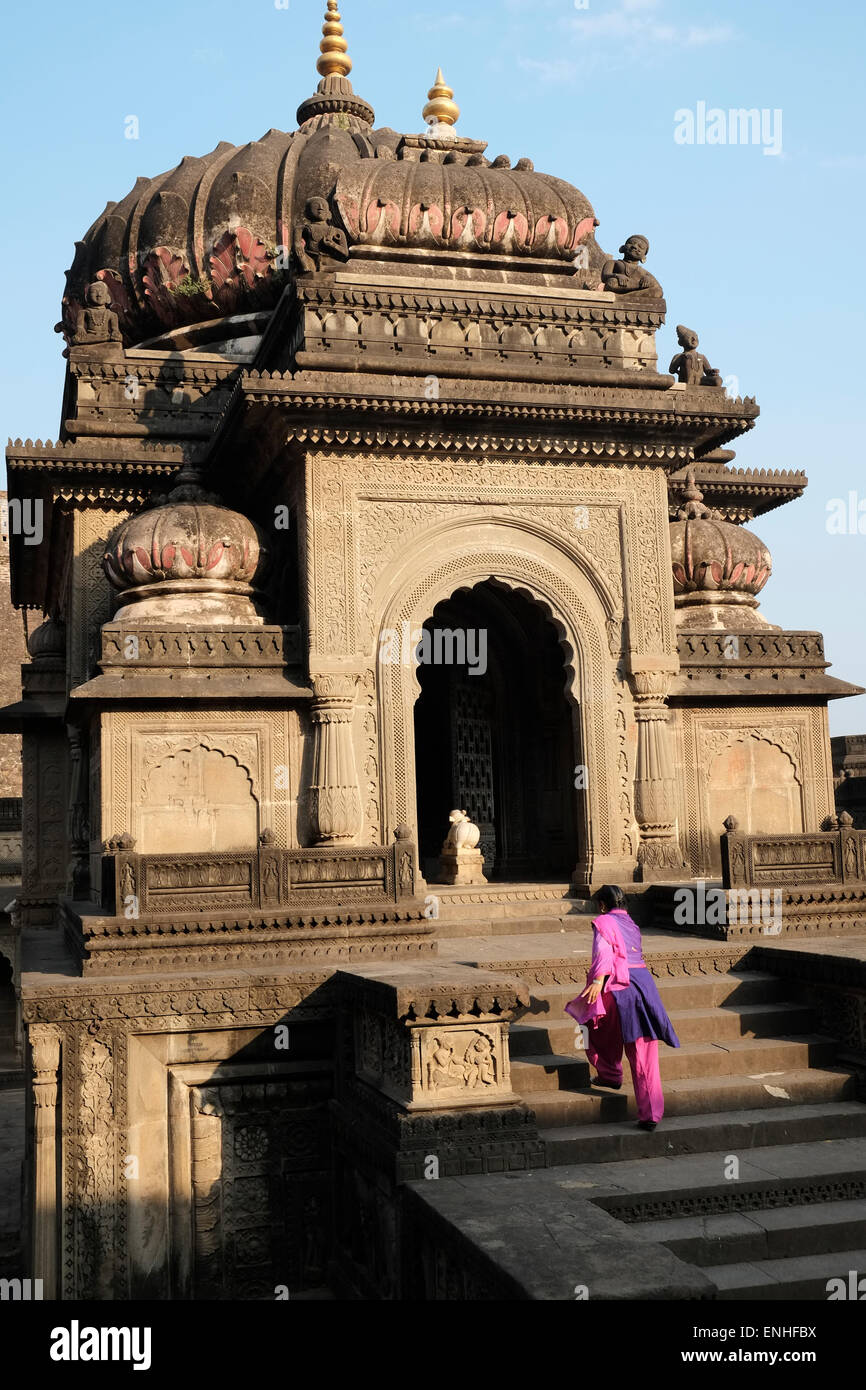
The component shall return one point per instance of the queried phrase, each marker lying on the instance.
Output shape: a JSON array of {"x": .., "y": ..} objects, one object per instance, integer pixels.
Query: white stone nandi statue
[{"x": 461, "y": 861}]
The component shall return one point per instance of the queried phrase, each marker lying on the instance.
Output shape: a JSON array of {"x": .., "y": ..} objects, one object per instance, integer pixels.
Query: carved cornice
[
  {"x": 739, "y": 494},
  {"x": 168, "y": 647},
  {"x": 451, "y": 993},
  {"x": 267, "y": 997},
  {"x": 165, "y": 372},
  {"x": 540, "y": 311},
  {"x": 756, "y": 664},
  {"x": 754, "y": 649},
  {"x": 97, "y": 456},
  {"x": 284, "y": 390}
]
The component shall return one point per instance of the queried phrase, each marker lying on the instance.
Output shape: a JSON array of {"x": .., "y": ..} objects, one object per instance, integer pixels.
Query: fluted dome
[
  {"x": 215, "y": 236},
  {"x": 718, "y": 567},
  {"x": 47, "y": 643},
  {"x": 190, "y": 557}
]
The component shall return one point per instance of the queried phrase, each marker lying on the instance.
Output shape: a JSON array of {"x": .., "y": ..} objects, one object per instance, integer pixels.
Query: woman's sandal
[
  {"x": 611, "y": 1085},
  {"x": 647, "y": 1124}
]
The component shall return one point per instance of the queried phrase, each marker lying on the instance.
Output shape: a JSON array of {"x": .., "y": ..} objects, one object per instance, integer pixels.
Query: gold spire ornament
[
  {"x": 441, "y": 109},
  {"x": 335, "y": 60}
]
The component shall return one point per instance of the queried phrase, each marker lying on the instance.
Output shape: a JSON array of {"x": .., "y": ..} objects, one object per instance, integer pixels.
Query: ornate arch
[
  {"x": 788, "y": 742},
  {"x": 573, "y": 604}
]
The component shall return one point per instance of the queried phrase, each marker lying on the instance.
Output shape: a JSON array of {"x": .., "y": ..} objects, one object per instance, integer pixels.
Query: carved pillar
[
  {"x": 659, "y": 854},
  {"x": 334, "y": 792},
  {"x": 45, "y": 1049},
  {"x": 78, "y": 828}
]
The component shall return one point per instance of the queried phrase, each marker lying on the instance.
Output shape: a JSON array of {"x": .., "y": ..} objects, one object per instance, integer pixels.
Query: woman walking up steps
[{"x": 621, "y": 1007}]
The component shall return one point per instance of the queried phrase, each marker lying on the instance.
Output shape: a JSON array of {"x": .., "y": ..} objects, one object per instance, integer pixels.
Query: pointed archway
[{"x": 495, "y": 734}]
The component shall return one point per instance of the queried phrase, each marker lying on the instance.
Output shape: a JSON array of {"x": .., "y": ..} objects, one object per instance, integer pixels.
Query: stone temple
[{"x": 371, "y": 501}]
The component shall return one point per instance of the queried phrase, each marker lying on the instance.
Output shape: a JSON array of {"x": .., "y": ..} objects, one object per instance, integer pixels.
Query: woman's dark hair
[{"x": 609, "y": 898}]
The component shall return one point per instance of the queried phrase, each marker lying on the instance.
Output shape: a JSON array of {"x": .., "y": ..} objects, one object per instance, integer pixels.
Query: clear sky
[{"x": 756, "y": 251}]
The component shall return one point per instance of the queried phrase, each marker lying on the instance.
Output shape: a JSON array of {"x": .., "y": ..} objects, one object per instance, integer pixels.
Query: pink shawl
[{"x": 608, "y": 958}]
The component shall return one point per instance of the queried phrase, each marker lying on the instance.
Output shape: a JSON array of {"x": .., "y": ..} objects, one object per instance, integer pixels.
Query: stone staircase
[
  {"x": 757, "y": 1173},
  {"x": 530, "y": 909}
]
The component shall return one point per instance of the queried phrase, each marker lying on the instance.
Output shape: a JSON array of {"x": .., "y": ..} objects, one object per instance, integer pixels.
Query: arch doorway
[{"x": 495, "y": 735}]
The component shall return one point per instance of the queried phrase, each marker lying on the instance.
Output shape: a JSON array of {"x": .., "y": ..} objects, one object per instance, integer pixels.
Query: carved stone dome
[
  {"x": 718, "y": 567},
  {"x": 214, "y": 237},
  {"x": 190, "y": 558},
  {"x": 47, "y": 643}
]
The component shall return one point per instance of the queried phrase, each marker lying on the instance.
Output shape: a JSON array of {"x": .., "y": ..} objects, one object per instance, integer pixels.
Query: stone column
[
  {"x": 78, "y": 826},
  {"x": 45, "y": 1049},
  {"x": 335, "y": 794},
  {"x": 659, "y": 855}
]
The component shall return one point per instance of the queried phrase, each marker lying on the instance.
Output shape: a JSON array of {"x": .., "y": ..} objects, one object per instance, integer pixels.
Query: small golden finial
[
  {"x": 441, "y": 109},
  {"x": 335, "y": 60}
]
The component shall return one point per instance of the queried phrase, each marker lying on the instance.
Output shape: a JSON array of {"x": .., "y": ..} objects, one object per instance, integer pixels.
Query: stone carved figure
[
  {"x": 443, "y": 1068},
  {"x": 98, "y": 323},
  {"x": 690, "y": 366},
  {"x": 461, "y": 860},
  {"x": 270, "y": 881},
  {"x": 480, "y": 1065},
  {"x": 627, "y": 275},
  {"x": 318, "y": 237},
  {"x": 406, "y": 873},
  {"x": 127, "y": 882},
  {"x": 462, "y": 834}
]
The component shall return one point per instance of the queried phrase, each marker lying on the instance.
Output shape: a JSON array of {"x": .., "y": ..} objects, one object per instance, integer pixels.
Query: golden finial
[
  {"x": 335, "y": 60},
  {"x": 440, "y": 109}
]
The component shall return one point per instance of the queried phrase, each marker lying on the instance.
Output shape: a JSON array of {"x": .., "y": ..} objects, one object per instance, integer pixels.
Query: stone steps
[
  {"x": 727, "y": 1023},
  {"x": 801, "y": 1277},
  {"x": 735, "y": 1131},
  {"x": 688, "y": 992},
  {"x": 778, "y": 1234},
  {"x": 767, "y": 1060},
  {"x": 793, "y": 1218},
  {"x": 568, "y": 923},
  {"x": 693, "y": 1096},
  {"x": 754, "y": 1079}
]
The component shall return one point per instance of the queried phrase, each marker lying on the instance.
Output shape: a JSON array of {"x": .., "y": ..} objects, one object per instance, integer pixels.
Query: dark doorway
[
  {"x": 8, "y": 1010},
  {"x": 494, "y": 735}
]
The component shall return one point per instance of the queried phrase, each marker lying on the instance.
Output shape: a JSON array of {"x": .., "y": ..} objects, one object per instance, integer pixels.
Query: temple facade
[{"x": 371, "y": 500}]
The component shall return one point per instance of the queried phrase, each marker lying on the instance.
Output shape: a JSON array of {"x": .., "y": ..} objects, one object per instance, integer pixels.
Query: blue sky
[{"x": 755, "y": 251}]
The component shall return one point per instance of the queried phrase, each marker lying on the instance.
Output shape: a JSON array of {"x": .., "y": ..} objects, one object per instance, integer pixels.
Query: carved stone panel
[
  {"x": 198, "y": 780},
  {"x": 767, "y": 766}
]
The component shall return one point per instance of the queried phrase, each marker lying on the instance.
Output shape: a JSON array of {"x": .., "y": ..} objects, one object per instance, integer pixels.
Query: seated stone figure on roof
[
  {"x": 690, "y": 366},
  {"x": 628, "y": 275},
  {"x": 317, "y": 236},
  {"x": 97, "y": 323}
]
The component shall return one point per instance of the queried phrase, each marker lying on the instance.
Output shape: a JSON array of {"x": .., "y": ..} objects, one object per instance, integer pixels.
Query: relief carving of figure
[
  {"x": 270, "y": 880},
  {"x": 98, "y": 323},
  {"x": 318, "y": 237},
  {"x": 443, "y": 1068},
  {"x": 628, "y": 275},
  {"x": 127, "y": 882},
  {"x": 406, "y": 873},
  {"x": 690, "y": 366},
  {"x": 480, "y": 1066}
]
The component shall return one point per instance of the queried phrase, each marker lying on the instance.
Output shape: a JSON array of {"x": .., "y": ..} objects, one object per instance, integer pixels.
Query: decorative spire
[
  {"x": 694, "y": 508},
  {"x": 335, "y": 60},
  {"x": 441, "y": 109},
  {"x": 334, "y": 98}
]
